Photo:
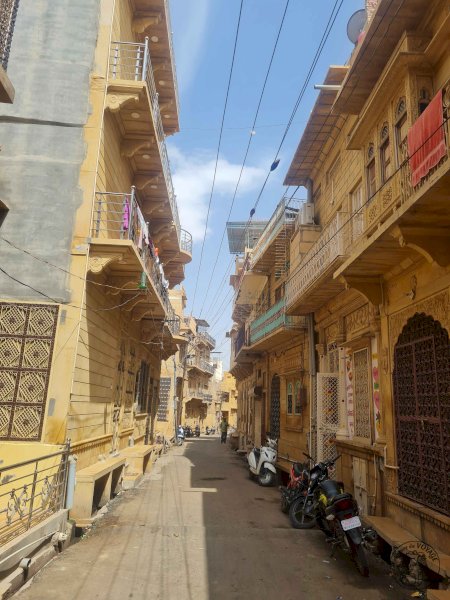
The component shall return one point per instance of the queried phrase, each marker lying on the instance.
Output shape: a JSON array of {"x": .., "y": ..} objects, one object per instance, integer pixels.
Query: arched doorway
[
  {"x": 422, "y": 412},
  {"x": 275, "y": 407}
]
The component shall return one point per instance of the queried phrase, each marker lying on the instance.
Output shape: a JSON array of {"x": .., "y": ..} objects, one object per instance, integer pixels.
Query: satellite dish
[{"x": 356, "y": 24}]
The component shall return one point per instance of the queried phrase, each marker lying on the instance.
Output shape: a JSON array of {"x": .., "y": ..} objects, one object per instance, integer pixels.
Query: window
[
  {"x": 298, "y": 398},
  {"x": 361, "y": 393},
  {"x": 401, "y": 133},
  {"x": 332, "y": 176},
  {"x": 279, "y": 293},
  {"x": 289, "y": 399},
  {"x": 141, "y": 388},
  {"x": 385, "y": 154},
  {"x": 424, "y": 99},
  {"x": 356, "y": 200},
  {"x": 371, "y": 179}
]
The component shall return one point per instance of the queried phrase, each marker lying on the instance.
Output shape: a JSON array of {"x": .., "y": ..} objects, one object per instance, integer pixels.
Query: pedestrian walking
[{"x": 223, "y": 430}]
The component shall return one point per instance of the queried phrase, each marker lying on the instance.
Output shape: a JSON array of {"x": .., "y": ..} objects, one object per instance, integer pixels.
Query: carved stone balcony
[
  {"x": 311, "y": 284},
  {"x": 274, "y": 327},
  {"x": 134, "y": 103},
  {"x": 401, "y": 221},
  {"x": 119, "y": 247}
]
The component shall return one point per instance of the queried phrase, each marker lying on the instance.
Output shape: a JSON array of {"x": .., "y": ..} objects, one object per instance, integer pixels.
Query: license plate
[{"x": 351, "y": 523}]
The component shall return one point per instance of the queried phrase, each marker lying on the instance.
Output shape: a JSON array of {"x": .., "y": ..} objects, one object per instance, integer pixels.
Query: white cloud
[
  {"x": 192, "y": 177},
  {"x": 191, "y": 26}
]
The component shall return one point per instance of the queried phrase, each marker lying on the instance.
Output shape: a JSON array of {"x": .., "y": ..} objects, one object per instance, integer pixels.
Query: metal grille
[
  {"x": 361, "y": 393},
  {"x": 31, "y": 491},
  {"x": 422, "y": 407},
  {"x": 275, "y": 407},
  {"x": 164, "y": 393},
  {"x": 327, "y": 414},
  {"x": 27, "y": 334},
  {"x": 8, "y": 14}
]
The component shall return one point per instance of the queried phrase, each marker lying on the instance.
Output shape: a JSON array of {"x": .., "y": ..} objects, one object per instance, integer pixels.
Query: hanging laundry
[
  {"x": 125, "y": 214},
  {"x": 426, "y": 141}
]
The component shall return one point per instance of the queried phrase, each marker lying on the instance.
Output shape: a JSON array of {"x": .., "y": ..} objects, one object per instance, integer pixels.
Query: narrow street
[{"x": 198, "y": 528}]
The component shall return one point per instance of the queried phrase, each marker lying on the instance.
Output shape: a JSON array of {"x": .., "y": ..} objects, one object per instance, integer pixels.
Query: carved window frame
[
  {"x": 385, "y": 153},
  {"x": 371, "y": 181}
]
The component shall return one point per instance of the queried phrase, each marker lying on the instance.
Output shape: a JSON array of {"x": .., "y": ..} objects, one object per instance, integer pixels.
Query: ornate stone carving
[
  {"x": 332, "y": 332},
  {"x": 96, "y": 264},
  {"x": 142, "y": 23},
  {"x": 437, "y": 306},
  {"x": 144, "y": 179},
  {"x": 390, "y": 480},
  {"x": 115, "y": 102},
  {"x": 357, "y": 319},
  {"x": 386, "y": 198}
]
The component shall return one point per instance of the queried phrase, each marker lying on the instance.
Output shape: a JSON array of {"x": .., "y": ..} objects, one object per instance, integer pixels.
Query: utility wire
[
  {"x": 217, "y": 154},
  {"x": 250, "y": 139}
]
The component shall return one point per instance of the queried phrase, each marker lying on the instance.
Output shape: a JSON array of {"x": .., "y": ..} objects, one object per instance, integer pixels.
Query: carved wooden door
[
  {"x": 275, "y": 407},
  {"x": 422, "y": 411}
]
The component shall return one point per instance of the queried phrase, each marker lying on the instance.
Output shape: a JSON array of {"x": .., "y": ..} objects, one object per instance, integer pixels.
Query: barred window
[{"x": 289, "y": 399}]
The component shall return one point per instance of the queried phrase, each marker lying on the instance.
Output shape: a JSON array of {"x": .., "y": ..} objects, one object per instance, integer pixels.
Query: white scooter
[{"x": 261, "y": 463}]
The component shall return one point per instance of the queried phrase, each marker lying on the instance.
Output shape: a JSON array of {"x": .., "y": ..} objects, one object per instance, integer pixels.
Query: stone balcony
[{"x": 274, "y": 327}]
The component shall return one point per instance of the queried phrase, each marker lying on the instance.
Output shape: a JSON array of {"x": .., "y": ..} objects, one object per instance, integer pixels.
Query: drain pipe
[
  {"x": 70, "y": 490},
  {"x": 312, "y": 371}
]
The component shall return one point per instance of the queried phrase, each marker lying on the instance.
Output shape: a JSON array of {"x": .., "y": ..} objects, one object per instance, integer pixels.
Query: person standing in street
[{"x": 223, "y": 430}]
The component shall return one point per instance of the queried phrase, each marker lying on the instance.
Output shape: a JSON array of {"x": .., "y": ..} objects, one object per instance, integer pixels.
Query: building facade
[
  {"x": 369, "y": 271},
  {"x": 91, "y": 241}
]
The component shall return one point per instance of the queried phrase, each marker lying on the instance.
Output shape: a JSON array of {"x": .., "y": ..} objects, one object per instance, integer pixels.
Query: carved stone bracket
[
  {"x": 431, "y": 242},
  {"x": 131, "y": 147},
  {"x": 159, "y": 67},
  {"x": 166, "y": 106},
  {"x": 116, "y": 101},
  {"x": 130, "y": 306},
  {"x": 144, "y": 22},
  {"x": 96, "y": 264},
  {"x": 369, "y": 287},
  {"x": 139, "y": 312},
  {"x": 120, "y": 288},
  {"x": 142, "y": 180}
]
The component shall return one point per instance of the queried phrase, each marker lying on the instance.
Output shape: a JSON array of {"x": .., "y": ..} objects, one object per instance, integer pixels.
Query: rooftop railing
[
  {"x": 130, "y": 61},
  {"x": 31, "y": 491},
  {"x": 8, "y": 14},
  {"x": 285, "y": 213},
  {"x": 118, "y": 216}
]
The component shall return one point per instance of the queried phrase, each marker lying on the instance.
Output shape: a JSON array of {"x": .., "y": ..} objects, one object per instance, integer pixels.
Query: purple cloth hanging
[{"x": 126, "y": 215}]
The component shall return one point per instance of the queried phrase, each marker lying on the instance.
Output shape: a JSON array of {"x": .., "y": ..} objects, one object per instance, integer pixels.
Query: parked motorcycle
[
  {"x": 197, "y": 431},
  {"x": 334, "y": 511},
  {"x": 296, "y": 487},
  {"x": 180, "y": 435},
  {"x": 207, "y": 430},
  {"x": 188, "y": 431},
  {"x": 261, "y": 463}
]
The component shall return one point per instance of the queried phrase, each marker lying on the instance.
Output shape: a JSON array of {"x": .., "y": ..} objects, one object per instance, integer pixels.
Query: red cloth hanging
[{"x": 426, "y": 140}]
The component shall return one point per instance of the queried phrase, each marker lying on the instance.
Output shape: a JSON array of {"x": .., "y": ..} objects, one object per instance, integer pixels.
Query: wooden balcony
[
  {"x": 133, "y": 101},
  {"x": 399, "y": 222},
  {"x": 311, "y": 284},
  {"x": 274, "y": 327}
]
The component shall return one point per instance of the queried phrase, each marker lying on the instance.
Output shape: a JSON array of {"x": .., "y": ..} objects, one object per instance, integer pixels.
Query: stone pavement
[{"x": 198, "y": 528}]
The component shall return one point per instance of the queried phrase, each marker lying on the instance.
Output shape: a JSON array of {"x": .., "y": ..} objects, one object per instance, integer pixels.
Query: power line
[
  {"x": 269, "y": 68},
  {"x": 333, "y": 16},
  {"x": 217, "y": 154}
]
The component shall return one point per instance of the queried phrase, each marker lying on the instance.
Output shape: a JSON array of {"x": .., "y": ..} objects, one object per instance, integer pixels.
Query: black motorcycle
[
  {"x": 197, "y": 431},
  {"x": 334, "y": 511},
  {"x": 188, "y": 431}
]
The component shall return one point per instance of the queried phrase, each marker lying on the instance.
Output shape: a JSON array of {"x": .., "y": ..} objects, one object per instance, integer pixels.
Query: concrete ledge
[
  {"x": 396, "y": 536},
  {"x": 22, "y": 546}
]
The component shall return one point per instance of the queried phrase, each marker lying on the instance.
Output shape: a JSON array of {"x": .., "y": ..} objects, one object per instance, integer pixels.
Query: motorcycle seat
[{"x": 344, "y": 496}]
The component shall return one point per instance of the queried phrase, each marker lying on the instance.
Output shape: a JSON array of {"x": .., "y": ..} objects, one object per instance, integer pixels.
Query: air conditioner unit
[{"x": 307, "y": 214}]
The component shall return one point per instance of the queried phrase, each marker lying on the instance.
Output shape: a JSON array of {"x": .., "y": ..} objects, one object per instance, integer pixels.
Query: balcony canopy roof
[
  {"x": 251, "y": 287},
  {"x": 319, "y": 129},
  {"x": 241, "y": 237},
  {"x": 391, "y": 19}
]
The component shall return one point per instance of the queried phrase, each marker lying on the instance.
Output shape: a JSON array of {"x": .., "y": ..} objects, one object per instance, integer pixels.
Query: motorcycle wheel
[
  {"x": 298, "y": 518},
  {"x": 284, "y": 504},
  {"x": 360, "y": 558},
  {"x": 266, "y": 478}
]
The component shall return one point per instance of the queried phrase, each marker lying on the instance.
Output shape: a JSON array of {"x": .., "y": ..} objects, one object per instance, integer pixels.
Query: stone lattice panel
[{"x": 27, "y": 335}]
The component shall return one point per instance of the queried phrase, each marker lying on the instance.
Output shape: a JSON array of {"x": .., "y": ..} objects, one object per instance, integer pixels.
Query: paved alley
[{"x": 198, "y": 528}]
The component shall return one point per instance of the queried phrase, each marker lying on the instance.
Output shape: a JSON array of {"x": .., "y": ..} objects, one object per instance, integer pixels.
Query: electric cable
[
  {"x": 268, "y": 70},
  {"x": 217, "y": 154}
]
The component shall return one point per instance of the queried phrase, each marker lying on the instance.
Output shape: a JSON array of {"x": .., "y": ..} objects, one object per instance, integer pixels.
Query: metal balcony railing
[
  {"x": 286, "y": 213},
  {"x": 172, "y": 52},
  {"x": 330, "y": 246},
  {"x": 118, "y": 216},
  {"x": 201, "y": 364},
  {"x": 208, "y": 338},
  {"x": 272, "y": 320},
  {"x": 8, "y": 14},
  {"x": 131, "y": 61},
  {"x": 239, "y": 340},
  {"x": 186, "y": 241},
  {"x": 31, "y": 491}
]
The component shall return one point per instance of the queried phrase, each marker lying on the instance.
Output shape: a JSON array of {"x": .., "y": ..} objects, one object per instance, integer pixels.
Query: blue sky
[{"x": 204, "y": 32}]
